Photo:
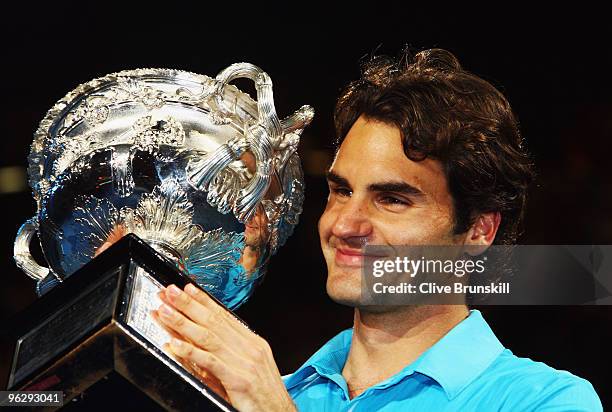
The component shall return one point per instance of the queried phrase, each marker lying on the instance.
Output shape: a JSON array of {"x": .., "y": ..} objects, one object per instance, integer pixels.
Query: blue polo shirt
[{"x": 467, "y": 370}]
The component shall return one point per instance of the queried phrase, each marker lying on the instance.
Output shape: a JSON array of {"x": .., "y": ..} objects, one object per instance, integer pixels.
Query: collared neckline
[
  {"x": 327, "y": 361},
  {"x": 456, "y": 360}
]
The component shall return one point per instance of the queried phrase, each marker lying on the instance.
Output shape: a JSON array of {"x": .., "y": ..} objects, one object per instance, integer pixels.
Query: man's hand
[{"x": 210, "y": 341}]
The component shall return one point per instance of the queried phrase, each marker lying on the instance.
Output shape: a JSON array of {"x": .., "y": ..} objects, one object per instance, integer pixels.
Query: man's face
[{"x": 377, "y": 196}]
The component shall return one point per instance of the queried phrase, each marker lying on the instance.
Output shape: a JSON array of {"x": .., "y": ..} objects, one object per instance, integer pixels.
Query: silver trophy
[{"x": 200, "y": 171}]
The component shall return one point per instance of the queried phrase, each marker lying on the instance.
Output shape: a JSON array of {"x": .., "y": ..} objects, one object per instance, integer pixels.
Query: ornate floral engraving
[{"x": 164, "y": 219}]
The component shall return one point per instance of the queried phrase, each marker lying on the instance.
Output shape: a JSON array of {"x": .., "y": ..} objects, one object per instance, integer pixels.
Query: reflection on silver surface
[{"x": 206, "y": 175}]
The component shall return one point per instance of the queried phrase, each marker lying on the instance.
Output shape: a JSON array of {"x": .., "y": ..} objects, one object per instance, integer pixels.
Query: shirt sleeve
[{"x": 569, "y": 394}]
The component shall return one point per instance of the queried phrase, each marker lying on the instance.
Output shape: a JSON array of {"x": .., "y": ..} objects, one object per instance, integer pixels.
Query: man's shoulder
[{"x": 524, "y": 384}]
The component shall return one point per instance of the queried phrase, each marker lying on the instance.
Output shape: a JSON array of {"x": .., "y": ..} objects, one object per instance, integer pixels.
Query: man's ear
[{"x": 482, "y": 232}]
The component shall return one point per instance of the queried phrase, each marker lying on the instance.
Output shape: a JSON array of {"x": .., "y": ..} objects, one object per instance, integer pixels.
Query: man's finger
[
  {"x": 213, "y": 317},
  {"x": 197, "y": 312},
  {"x": 202, "y": 374},
  {"x": 218, "y": 313},
  {"x": 230, "y": 377},
  {"x": 172, "y": 333},
  {"x": 184, "y": 326}
]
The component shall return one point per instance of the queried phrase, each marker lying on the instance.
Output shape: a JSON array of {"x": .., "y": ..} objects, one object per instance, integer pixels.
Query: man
[{"x": 429, "y": 154}]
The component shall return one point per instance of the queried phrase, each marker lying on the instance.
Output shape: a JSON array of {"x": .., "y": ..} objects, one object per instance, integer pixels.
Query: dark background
[{"x": 555, "y": 70}]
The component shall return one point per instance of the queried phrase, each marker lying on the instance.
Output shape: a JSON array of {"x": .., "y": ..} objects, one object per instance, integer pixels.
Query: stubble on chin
[{"x": 344, "y": 288}]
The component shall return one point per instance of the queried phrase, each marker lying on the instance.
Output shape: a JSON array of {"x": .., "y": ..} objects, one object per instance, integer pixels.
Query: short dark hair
[{"x": 448, "y": 114}]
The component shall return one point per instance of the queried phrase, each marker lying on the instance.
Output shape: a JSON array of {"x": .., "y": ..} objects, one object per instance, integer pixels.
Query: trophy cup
[{"x": 200, "y": 182}]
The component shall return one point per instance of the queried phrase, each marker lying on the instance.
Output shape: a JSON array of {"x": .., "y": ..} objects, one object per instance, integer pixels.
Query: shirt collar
[
  {"x": 462, "y": 355},
  {"x": 327, "y": 361},
  {"x": 453, "y": 362}
]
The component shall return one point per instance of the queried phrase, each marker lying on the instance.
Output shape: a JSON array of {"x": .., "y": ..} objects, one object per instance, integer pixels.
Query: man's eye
[
  {"x": 341, "y": 191},
  {"x": 394, "y": 200}
]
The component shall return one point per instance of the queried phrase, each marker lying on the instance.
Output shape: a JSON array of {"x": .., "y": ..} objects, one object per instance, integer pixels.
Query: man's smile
[{"x": 349, "y": 257}]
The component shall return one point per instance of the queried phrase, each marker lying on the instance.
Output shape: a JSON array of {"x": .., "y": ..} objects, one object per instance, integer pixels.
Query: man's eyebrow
[
  {"x": 396, "y": 187},
  {"x": 337, "y": 179}
]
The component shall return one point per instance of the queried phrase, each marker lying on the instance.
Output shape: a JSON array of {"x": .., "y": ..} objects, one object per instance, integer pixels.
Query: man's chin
[
  {"x": 345, "y": 301},
  {"x": 344, "y": 295},
  {"x": 356, "y": 302},
  {"x": 351, "y": 297}
]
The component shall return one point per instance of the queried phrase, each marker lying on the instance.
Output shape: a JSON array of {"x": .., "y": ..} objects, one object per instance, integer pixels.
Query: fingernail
[
  {"x": 165, "y": 310},
  {"x": 176, "y": 342},
  {"x": 192, "y": 290},
  {"x": 174, "y": 291}
]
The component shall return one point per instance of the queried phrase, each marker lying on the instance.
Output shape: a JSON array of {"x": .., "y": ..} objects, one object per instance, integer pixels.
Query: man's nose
[{"x": 353, "y": 219}]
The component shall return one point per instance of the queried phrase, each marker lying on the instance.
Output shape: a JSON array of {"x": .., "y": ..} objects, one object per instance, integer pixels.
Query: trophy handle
[
  {"x": 267, "y": 116},
  {"x": 267, "y": 136},
  {"x": 266, "y": 112},
  {"x": 21, "y": 251},
  {"x": 262, "y": 137}
]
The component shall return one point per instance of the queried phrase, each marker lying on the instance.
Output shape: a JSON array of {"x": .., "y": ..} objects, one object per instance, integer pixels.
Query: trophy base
[{"x": 94, "y": 332}]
